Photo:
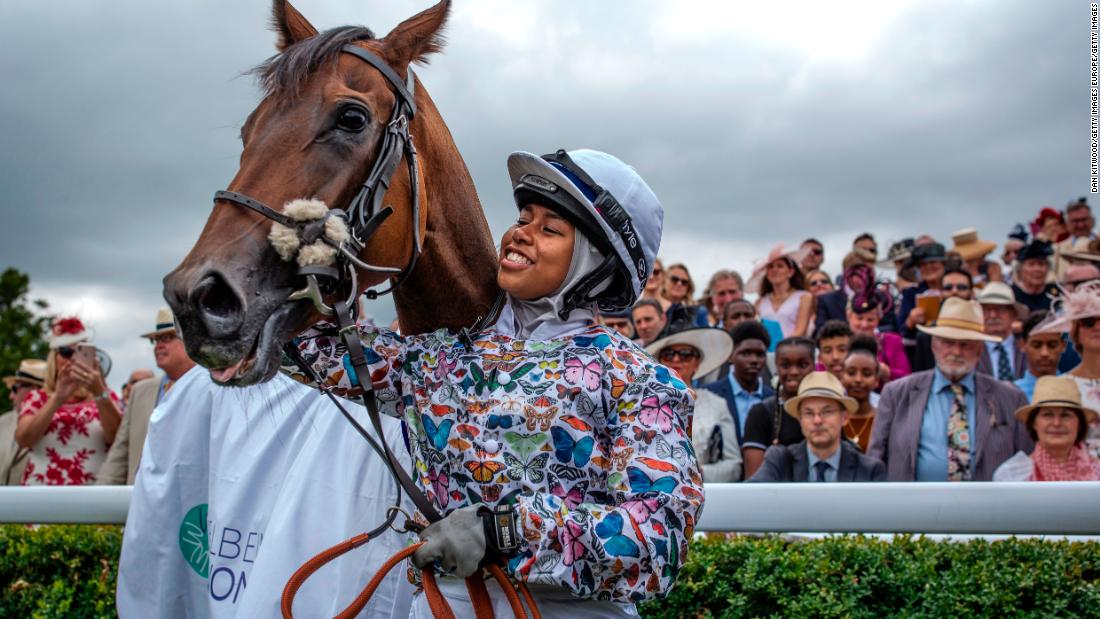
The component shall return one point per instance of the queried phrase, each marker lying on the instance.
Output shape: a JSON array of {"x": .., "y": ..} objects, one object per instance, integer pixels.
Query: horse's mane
[{"x": 282, "y": 75}]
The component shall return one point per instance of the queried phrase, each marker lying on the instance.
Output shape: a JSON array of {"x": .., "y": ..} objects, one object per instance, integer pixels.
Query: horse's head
[{"x": 315, "y": 136}]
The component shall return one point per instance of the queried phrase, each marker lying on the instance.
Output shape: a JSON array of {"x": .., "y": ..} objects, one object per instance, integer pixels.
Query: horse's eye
[{"x": 352, "y": 118}]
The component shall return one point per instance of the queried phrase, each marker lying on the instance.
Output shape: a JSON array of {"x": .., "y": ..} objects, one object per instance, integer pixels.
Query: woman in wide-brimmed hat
[
  {"x": 697, "y": 352},
  {"x": 1079, "y": 314},
  {"x": 782, "y": 288},
  {"x": 69, "y": 423},
  {"x": 1058, "y": 422},
  {"x": 973, "y": 251}
]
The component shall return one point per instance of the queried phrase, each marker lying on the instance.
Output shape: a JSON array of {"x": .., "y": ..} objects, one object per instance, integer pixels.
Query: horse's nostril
[{"x": 218, "y": 304}]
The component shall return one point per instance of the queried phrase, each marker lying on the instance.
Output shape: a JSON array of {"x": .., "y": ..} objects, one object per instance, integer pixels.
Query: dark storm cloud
[{"x": 119, "y": 120}]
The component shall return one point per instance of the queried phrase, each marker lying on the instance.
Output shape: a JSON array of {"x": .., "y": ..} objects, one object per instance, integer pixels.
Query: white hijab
[{"x": 537, "y": 319}]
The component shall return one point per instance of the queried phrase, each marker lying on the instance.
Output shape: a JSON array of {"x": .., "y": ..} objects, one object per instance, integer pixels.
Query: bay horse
[{"x": 320, "y": 129}]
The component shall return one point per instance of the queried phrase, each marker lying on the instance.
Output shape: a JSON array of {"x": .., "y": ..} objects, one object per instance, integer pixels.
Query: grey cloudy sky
[{"x": 753, "y": 122}]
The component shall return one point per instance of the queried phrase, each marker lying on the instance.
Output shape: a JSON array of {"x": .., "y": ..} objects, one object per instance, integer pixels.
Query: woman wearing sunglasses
[
  {"x": 545, "y": 418},
  {"x": 679, "y": 294},
  {"x": 698, "y": 352},
  {"x": 68, "y": 425}
]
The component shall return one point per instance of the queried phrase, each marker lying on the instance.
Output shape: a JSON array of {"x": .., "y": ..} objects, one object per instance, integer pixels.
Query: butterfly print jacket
[{"x": 585, "y": 434}]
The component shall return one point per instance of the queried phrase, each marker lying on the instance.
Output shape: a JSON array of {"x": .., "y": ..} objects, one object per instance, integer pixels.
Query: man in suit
[
  {"x": 822, "y": 408},
  {"x": 743, "y": 387},
  {"x": 31, "y": 375},
  {"x": 121, "y": 464},
  {"x": 950, "y": 423},
  {"x": 1004, "y": 360}
]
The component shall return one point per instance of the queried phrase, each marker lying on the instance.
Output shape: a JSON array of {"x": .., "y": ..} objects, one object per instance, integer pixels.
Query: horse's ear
[
  {"x": 419, "y": 36},
  {"x": 289, "y": 24}
]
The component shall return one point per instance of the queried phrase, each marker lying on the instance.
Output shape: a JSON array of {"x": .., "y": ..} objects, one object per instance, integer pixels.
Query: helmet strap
[{"x": 578, "y": 295}]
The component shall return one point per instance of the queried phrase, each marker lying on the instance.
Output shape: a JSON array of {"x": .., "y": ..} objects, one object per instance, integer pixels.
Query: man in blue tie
[
  {"x": 822, "y": 408},
  {"x": 1004, "y": 360}
]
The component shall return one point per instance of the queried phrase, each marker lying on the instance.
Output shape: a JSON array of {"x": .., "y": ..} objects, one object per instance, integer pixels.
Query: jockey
[{"x": 562, "y": 426}]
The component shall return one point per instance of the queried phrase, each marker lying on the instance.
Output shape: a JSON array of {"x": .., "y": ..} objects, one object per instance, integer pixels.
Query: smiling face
[
  {"x": 677, "y": 285},
  {"x": 779, "y": 271},
  {"x": 1056, "y": 427},
  {"x": 793, "y": 363},
  {"x": 831, "y": 353},
  {"x": 931, "y": 271},
  {"x": 860, "y": 375},
  {"x": 535, "y": 253},
  {"x": 1033, "y": 272},
  {"x": 683, "y": 358},
  {"x": 866, "y": 322},
  {"x": 956, "y": 285}
]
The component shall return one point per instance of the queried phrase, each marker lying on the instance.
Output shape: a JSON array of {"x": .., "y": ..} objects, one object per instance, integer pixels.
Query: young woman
[
  {"x": 767, "y": 425},
  {"x": 1080, "y": 311},
  {"x": 860, "y": 379},
  {"x": 818, "y": 282},
  {"x": 679, "y": 292},
  {"x": 564, "y": 425},
  {"x": 783, "y": 295},
  {"x": 68, "y": 425},
  {"x": 1057, "y": 421},
  {"x": 865, "y": 312}
]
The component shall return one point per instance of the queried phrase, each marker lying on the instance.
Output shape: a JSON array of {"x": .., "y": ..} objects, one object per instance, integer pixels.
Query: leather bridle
[{"x": 365, "y": 214}]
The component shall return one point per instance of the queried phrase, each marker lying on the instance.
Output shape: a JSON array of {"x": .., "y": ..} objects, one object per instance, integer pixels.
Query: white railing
[{"x": 935, "y": 508}]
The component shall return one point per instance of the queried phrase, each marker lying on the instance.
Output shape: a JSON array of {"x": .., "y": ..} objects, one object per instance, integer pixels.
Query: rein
[{"x": 359, "y": 221}]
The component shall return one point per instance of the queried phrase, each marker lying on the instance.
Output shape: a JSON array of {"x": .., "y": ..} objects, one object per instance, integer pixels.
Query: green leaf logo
[{"x": 194, "y": 543}]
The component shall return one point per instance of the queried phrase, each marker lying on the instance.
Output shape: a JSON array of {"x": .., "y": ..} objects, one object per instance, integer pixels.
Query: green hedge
[
  {"x": 69, "y": 571},
  {"x": 855, "y": 576},
  {"x": 58, "y": 571}
]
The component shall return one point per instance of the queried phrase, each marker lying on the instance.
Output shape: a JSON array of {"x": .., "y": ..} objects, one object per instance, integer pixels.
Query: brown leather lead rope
[{"x": 479, "y": 595}]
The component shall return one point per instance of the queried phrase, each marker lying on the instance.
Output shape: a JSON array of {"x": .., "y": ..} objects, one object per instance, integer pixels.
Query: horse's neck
[{"x": 454, "y": 282}]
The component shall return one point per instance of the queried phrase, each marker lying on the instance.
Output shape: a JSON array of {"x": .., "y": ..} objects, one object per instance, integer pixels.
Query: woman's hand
[
  {"x": 67, "y": 384},
  {"x": 88, "y": 379},
  {"x": 916, "y": 317}
]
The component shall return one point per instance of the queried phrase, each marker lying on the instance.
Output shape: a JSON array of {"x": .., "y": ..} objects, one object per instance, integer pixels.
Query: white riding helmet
[{"x": 612, "y": 206}]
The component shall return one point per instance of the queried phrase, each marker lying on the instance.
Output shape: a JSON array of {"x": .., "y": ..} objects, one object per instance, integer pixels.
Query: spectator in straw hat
[
  {"x": 1057, "y": 422},
  {"x": 697, "y": 352},
  {"x": 31, "y": 375},
  {"x": 973, "y": 252},
  {"x": 951, "y": 423},
  {"x": 1004, "y": 360},
  {"x": 69, "y": 423},
  {"x": 122, "y": 460},
  {"x": 822, "y": 408}
]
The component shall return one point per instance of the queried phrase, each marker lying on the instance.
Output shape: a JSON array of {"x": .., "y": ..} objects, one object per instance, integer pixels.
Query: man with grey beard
[{"x": 949, "y": 423}]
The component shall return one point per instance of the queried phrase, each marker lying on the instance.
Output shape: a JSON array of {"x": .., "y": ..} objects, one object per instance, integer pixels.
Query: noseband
[{"x": 365, "y": 214}]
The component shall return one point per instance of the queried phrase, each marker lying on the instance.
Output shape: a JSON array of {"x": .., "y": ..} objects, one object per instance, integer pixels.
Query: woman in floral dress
[
  {"x": 570, "y": 424},
  {"x": 68, "y": 425}
]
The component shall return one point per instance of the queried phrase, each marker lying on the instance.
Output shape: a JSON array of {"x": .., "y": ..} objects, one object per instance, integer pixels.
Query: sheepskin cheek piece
[{"x": 288, "y": 244}]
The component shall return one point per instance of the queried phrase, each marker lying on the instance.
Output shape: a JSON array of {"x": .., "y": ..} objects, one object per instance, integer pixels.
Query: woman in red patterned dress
[{"x": 69, "y": 425}]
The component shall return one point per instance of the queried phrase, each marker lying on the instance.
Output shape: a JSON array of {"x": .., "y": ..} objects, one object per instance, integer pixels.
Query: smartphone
[{"x": 85, "y": 354}]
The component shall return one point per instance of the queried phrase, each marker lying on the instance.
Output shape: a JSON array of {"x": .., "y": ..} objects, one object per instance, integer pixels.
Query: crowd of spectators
[
  {"x": 934, "y": 363},
  {"x": 937, "y": 362},
  {"x": 66, "y": 427}
]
